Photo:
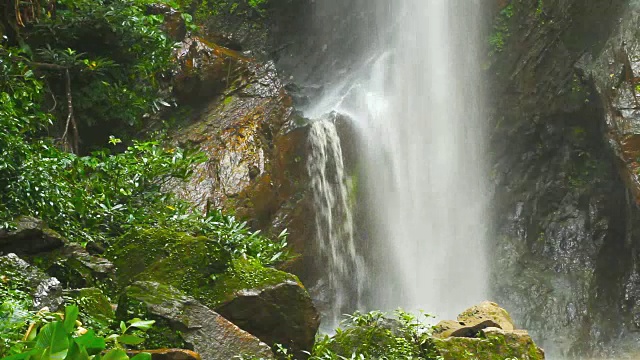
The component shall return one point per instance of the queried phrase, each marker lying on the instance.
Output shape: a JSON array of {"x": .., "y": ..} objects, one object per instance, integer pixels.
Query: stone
[
  {"x": 277, "y": 312},
  {"x": 484, "y": 331},
  {"x": 75, "y": 267},
  {"x": 206, "y": 70},
  {"x": 94, "y": 305},
  {"x": 491, "y": 344},
  {"x": 167, "y": 354},
  {"x": 205, "y": 331},
  {"x": 32, "y": 236},
  {"x": 471, "y": 321},
  {"x": 16, "y": 273},
  {"x": 487, "y": 313}
]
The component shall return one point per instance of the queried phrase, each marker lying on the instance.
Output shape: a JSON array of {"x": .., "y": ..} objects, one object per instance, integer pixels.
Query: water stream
[{"x": 415, "y": 101}]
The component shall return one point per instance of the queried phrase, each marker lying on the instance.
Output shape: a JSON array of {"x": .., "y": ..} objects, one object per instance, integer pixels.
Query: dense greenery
[
  {"x": 58, "y": 336},
  {"x": 376, "y": 336},
  {"x": 74, "y": 81}
]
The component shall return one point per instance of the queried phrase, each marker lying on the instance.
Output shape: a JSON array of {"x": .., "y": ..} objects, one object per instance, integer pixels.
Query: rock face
[
  {"x": 484, "y": 331},
  {"x": 209, "y": 334},
  {"x": 566, "y": 234},
  {"x": 32, "y": 236},
  {"x": 16, "y": 273}
]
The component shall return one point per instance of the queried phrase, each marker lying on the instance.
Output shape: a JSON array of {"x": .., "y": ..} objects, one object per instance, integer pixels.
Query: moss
[
  {"x": 493, "y": 346},
  {"x": 168, "y": 256},
  {"x": 243, "y": 275},
  {"x": 133, "y": 304},
  {"x": 95, "y": 308}
]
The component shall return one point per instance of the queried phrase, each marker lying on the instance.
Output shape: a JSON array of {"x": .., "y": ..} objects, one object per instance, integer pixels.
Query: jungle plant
[{"x": 61, "y": 337}]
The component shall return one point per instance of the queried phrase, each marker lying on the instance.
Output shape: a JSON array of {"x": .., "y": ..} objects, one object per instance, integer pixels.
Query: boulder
[
  {"x": 17, "y": 274},
  {"x": 484, "y": 331},
  {"x": 491, "y": 344},
  {"x": 187, "y": 262},
  {"x": 94, "y": 304},
  {"x": 32, "y": 236},
  {"x": 277, "y": 309},
  {"x": 75, "y": 267},
  {"x": 471, "y": 321},
  {"x": 205, "y": 331}
]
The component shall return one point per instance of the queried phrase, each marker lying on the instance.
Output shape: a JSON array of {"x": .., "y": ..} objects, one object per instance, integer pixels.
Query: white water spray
[
  {"x": 335, "y": 249},
  {"x": 418, "y": 108}
]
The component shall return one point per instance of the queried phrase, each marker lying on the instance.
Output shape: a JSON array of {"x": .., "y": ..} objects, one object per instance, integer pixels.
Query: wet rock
[
  {"x": 208, "y": 333},
  {"x": 75, "y": 267},
  {"x": 16, "y": 273},
  {"x": 32, "y": 236},
  {"x": 167, "y": 354},
  {"x": 206, "y": 70},
  {"x": 271, "y": 305}
]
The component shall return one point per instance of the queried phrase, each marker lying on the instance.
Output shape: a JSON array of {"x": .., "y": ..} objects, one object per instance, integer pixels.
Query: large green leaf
[
  {"x": 141, "y": 324},
  {"x": 54, "y": 338},
  {"x": 92, "y": 343},
  {"x": 130, "y": 339},
  {"x": 70, "y": 317}
]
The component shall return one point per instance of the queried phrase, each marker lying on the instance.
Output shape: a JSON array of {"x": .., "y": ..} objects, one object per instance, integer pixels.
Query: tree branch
[{"x": 70, "y": 119}]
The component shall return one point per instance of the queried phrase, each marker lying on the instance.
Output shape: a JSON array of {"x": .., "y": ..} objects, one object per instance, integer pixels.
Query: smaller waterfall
[{"x": 335, "y": 252}]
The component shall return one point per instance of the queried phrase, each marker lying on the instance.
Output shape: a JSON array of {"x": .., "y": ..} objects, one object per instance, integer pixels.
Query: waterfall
[
  {"x": 336, "y": 255},
  {"x": 415, "y": 98}
]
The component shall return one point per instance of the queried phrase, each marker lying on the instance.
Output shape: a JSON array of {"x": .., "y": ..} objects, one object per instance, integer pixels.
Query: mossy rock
[
  {"x": 75, "y": 267},
  {"x": 182, "y": 321},
  {"x": 169, "y": 257},
  {"x": 268, "y": 303},
  {"x": 32, "y": 236},
  {"x": 95, "y": 307},
  {"x": 492, "y": 344}
]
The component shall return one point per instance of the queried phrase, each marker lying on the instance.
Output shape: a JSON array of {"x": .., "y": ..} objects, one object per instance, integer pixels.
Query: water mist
[{"x": 416, "y": 103}]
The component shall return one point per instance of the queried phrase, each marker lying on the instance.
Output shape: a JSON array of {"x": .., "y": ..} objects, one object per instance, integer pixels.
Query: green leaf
[
  {"x": 92, "y": 343},
  {"x": 53, "y": 338},
  {"x": 141, "y": 324},
  {"x": 142, "y": 356},
  {"x": 77, "y": 352},
  {"x": 115, "y": 354},
  {"x": 70, "y": 317},
  {"x": 130, "y": 339},
  {"x": 23, "y": 355}
]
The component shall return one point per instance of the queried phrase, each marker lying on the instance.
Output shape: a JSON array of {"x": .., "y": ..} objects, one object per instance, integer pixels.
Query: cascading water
[
  {"x": 336, "y": 250},
  {"x": 417, "y": 106}
]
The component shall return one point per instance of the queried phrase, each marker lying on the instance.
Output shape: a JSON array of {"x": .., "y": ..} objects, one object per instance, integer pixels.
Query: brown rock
[{"x": 167, "y": 354}]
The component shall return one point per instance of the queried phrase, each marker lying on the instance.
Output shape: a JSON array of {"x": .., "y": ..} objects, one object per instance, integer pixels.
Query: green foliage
[
  {"x": 501, "y": 32},
  {"x": 376, "y": 336},
  {"x": 208, "y": 8},
  {"x": 57, "y": 337},
  {"x": 116, "y": 54}
]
